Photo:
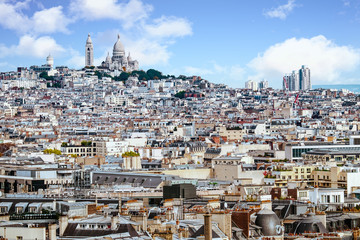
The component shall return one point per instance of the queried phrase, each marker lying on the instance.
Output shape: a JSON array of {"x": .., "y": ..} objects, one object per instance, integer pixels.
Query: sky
[{"x": 226, "y": 42}]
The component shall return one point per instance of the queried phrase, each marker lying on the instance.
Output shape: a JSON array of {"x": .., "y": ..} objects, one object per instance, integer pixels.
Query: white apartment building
[
  {"x": 327, "y": 198},
  {"x": 104, "y": 148}
]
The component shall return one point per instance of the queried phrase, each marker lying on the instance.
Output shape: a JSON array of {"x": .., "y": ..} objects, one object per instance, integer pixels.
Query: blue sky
[{"x": 227, "y": 42}]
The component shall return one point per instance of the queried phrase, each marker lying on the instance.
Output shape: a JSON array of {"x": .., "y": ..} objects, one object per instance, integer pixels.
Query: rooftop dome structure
[
  {"x": 310, "y": 224},
  {"x": 269, "y": 222},
  {"x": 118, "y": 48},
  {"x": 49, "y": 57}
]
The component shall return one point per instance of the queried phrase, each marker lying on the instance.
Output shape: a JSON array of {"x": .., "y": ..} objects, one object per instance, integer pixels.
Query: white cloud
[
  {"x": 129, "y": 13},
  {"x": 148, "y": 52},
  {"x": 326, "y": 60},
  {"x": 281, "y": 11},
  {"x": 169, "y": 27},
  {"x": 12, "y": 18},
  {"x": 32, "y": 47},
  {"x": 44, "y": 21},
  {"x": 50, "y": 20}
]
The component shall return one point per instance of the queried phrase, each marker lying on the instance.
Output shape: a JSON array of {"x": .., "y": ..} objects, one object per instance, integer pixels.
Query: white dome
[
  {"x": 49, "y": 57},
  {"x": 118, "y": 48}
]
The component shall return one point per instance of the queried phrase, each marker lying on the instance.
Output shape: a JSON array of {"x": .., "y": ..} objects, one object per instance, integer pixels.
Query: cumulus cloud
[
  {"x": 326, "y": 60},
  {"x": 169, "y": 27},
  {"x": 50, "y": 20},
  {"x": 148, "y": 52},
  {"x": 129, "y": 12},
  {"x": 32, "y": 47},
  {"x": 281, "y": 11},
  {"x": 44, "y": 21}
]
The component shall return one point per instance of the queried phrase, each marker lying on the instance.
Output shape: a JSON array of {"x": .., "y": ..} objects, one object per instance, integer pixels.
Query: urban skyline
[
  {"x": 271, "y": 38},
  {"x": 167, "y": 120}
]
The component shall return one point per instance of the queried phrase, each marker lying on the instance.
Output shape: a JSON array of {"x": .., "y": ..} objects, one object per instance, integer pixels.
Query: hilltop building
[{"x": 119, "y": 61}]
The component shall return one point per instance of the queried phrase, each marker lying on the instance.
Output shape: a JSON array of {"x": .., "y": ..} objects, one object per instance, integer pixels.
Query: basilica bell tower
[{"x": 89, "y": 52}]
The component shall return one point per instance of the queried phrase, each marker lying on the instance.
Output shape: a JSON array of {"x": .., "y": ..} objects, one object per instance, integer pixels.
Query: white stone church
[{"x": 118, "y": 61}]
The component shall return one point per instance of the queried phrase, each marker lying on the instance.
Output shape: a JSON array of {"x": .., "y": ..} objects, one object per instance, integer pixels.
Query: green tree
[
  {"x": 64, "y": 144},
  {"x": 183, "y": 77},
  {"x": 152, "y": 73},
  {"x": 130, "y": 154},
  {"x": 180, "y": 94},
  {"x": 52, "y": 151},
  {"x": 86, "y": 143},
  {"x": 46, "y": 76},
  {"x": 141, "y": 75},
  {"x": 99, "y": 74},
  {"x": 124, "y": 76}
]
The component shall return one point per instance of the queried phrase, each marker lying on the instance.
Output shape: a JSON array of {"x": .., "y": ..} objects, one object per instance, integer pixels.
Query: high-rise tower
[
  {"x": 89, "y": 52},
  {"x": 304, "y": 77},
  {"x": 297, "y": 80}
]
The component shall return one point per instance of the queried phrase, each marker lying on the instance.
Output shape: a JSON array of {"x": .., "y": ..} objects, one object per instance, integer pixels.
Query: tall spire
[
  {"x": 89, "y": 52},
  {"x": 88, "y": 40}
]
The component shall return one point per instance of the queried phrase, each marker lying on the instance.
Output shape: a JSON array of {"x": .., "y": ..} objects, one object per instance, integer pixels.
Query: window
[
  {"x": 302, "y": 194},
  {"x": 19, "y": 238},
  {"x": 338, "y": 159}
]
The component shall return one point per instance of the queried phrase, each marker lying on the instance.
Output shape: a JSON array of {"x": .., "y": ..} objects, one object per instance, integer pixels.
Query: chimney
[
  {"x": 242, "y": 220},
  {"x": 120, "y": 204},
  {"x": 207, "y": 226},
  {"x": 63, "y": 222},
  {"x": 52, "y": 231},
  {"x": 144, "y": 222},
  {"x": 322, "y": 217},
  {"x": 113, "y": 223}
]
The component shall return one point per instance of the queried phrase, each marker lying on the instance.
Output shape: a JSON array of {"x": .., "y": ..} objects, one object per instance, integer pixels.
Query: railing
[{"x": 32, "y": 216}]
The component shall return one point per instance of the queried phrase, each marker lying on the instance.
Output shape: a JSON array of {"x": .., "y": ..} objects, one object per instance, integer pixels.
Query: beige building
[
  {"x": 79, "y": 150},
  {"x": 132, "y": 162},
  {"x": 283, "y": 175},
  {"x": 231, "y": 133}
]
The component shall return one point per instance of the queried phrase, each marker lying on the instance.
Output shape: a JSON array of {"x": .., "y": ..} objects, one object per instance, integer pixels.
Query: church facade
[{"x": 118, "y": 62}]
